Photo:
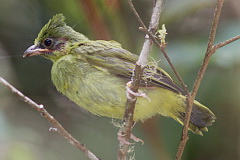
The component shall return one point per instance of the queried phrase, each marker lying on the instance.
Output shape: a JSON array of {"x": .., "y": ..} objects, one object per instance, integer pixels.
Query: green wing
[{"x": 111, "y": 57}]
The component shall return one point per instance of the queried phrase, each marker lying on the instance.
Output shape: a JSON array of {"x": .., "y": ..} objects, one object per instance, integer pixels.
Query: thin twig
[
  {"x": 136, "y": 14},
  {"x": 190, "y": 98},
  {"x": 128, "y": 122},
  {"x": 57, "y": 127},
  {"x": 222, "y": 44},
  {"x": 167, "y": 58}
]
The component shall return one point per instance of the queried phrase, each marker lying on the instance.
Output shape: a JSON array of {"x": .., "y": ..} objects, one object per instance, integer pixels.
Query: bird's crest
[
  {"x": 56, "y": 27},
  {"x": 53, "y": 24},
  {"x": 52, "y": 27}
]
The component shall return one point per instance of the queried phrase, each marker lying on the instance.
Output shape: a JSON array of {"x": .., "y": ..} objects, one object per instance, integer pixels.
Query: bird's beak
[{"x": 34, "y": 50}]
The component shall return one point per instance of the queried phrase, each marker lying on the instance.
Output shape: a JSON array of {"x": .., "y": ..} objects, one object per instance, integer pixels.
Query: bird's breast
[{"x": 99, "y": 92}]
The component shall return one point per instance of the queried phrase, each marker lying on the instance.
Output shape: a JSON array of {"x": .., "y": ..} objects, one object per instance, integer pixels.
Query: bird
[{"x": 94, "y": 73}]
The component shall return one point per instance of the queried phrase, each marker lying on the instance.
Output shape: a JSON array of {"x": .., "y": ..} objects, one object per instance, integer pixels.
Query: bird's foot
[
  {"x": 121, "y": 138},
  {"x": 136, "y": 139},
  {"x": 136, "y": 94}
]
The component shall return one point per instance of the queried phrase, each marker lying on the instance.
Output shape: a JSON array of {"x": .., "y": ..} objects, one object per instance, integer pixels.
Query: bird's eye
[{"x": 47, "y": 42}]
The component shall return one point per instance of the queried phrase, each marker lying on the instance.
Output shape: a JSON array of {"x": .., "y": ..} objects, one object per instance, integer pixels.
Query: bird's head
[{"x": 54, "y": 39}]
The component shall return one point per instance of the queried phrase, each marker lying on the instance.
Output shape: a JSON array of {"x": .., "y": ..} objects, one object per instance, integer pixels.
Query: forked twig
[{"x": 190, "y": 98}]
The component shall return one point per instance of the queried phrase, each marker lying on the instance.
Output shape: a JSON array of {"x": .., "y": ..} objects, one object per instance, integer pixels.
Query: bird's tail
[{"x": 201, "y": 118}]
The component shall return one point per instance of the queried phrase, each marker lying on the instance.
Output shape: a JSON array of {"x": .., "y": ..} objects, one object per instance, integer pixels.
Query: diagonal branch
[
  {"x": 222, "y": 44},
  {"x": 57, "y": 126},
  {"x": 136, "y": 14},
  {"x": 128, "y": 122},
  {"x": 209, "y": 51},
  {"x": 161, "y": 47}
]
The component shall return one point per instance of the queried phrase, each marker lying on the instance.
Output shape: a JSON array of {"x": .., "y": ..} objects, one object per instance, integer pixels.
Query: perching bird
[{"x": 93, "y": 74}]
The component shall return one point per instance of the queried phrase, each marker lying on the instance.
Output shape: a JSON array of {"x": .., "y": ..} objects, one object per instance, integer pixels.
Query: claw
[{"x": 134, "y": 138}]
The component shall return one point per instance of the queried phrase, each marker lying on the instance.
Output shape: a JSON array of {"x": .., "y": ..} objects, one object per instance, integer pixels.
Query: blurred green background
[{"x": 24, "y": 133}]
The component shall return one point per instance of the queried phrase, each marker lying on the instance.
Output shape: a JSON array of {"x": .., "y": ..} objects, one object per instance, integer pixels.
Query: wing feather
[{"x": 114, "y": 59}]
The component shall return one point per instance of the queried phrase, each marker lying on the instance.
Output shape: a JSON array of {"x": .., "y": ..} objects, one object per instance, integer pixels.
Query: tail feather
[{"x": 201, "y": 118}]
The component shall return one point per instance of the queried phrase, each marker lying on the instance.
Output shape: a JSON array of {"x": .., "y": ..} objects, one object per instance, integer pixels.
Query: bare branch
[
  {"x": 222, "y": 44},
  {"x": 128, "y": 123},
  {"x": 57, "y": 127},
  {"x": 136, "y": 14},
  {"x": 190, "y": 98},
  {"x": 209, "y": 51}
]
